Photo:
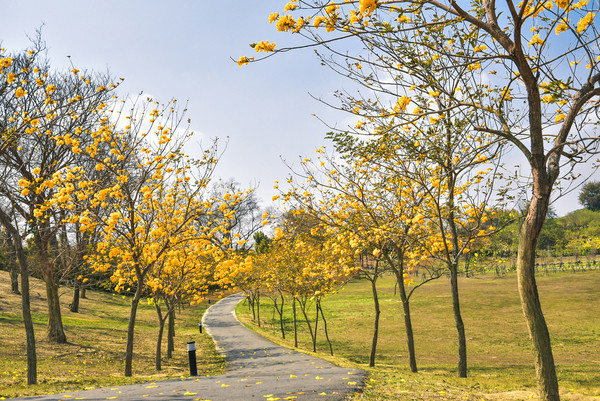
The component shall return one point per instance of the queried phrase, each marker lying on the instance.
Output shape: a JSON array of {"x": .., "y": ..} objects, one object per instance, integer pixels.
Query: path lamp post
[{"x": 191, "y": 347}]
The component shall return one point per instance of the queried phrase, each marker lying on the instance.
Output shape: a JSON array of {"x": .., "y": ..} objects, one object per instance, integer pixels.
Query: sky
[{"x": 263, "y": 113}]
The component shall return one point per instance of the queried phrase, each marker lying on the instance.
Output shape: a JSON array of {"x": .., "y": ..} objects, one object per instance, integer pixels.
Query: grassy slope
[
  {"x": 498, "y": 346},
  {"x": 94, "y": 356}
]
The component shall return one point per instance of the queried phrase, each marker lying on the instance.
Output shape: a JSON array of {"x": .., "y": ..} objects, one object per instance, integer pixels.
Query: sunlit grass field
[
  {"x": 95, "y": 353},
  {"x": 499, "y": 351}
]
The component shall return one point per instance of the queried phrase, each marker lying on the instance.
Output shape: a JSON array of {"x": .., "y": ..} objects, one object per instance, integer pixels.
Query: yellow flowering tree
[
  {"x": 540, "y": 55},
  {"x": 183, "y": 276},
  {"x": 315, "y": 264},
  {"x": 148, "y": 199},
  {"x": 45, "y": 106},
  {"x": 371, "y": 210}
]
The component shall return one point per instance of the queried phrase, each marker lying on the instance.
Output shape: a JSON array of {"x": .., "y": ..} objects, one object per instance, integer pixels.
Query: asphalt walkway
[{"x": 256, "y": 369}]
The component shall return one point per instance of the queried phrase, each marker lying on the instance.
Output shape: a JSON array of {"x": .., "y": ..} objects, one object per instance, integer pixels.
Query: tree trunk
[
  {"x": 316, "y": 325},
  {"x": 375, "y": 322},
  {"x": 530, "y": 302},
  {"x": 27, "y": 320},
  {"x": 14, "y": 268},
  {"x": 83, "y": 296},
  {"x": 161, "y": 329},
  {"x": 56, "y": 332},
  {"x": 258, "y": 308},
  {"x": 17, "y": 245},
  {"x": 398, "y": 268},
  {"x": 130, "y": 330},
  {"x": 310, "y": 330},
  {"x": 460, "y": 326},
  {"x": 453, "y": 255},
  {"x": 279, "y": 310},
  {"x": 295, "y": 322},
  {"x": 320, "y": 308},
  {"x": 251, "y": 305},
  {"x": 171, "y": 333},
  {"x": 75, "y": 302}
]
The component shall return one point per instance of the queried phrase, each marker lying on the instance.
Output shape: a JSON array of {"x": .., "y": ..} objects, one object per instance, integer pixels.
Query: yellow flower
[
  {"x": 367, "y": 6},
  {"x": 10, "y": 77},
  {"x": 473, "y": 66},
  {"x": 5, "y": 62},
  {"x": 331, "y": 7},
  {"x": 244, "y": 60},
  {"x": 264, "y": 46},
  {"x": 562, "y": 27},
  {"x": 290, "y": 6},
  {"x": 273, "y": 17},
  {"x": 560, "y": 117},
  {"x": 20, "y": 92},
  {"x": 402, "y": 103},
  {"x": 536, "y": 40},
  {"x": 403, "y": 18},
  {"x": 585, "y": 22},
  {"x": 285, "y": 23},
  {"x": 548, "y": 98}
]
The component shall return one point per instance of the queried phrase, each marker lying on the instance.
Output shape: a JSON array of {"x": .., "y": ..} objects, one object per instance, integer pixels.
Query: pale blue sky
[{"x": 183, "y": 49}]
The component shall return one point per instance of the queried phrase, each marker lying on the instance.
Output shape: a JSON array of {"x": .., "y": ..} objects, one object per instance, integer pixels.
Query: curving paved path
[{"x": 257, "y": 369}]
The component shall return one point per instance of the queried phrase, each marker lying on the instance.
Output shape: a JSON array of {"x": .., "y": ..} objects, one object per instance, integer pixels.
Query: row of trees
[
  {"x": 444, "y": 85},
  {"x": 100, "y": 188}
]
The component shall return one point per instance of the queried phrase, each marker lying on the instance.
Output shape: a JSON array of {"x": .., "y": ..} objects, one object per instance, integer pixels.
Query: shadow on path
[{"x": 256, "y": 369}]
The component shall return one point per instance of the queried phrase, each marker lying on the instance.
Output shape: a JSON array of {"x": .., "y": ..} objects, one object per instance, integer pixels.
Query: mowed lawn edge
[{"x": 499, "y": 350}]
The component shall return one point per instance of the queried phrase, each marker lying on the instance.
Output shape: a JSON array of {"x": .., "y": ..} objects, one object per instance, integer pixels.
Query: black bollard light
[
  {"x": 191, "y": 346},
  {"x": 200, "y": 327}
]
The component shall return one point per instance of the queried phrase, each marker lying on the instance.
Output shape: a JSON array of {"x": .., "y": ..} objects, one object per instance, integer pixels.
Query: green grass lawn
[
  {"x": 499, "y": 351},
  {"x": 95, "y": 353}
]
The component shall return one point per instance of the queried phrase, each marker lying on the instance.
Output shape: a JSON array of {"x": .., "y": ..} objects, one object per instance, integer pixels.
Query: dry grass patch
[{"x": 95, "y": 353}]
